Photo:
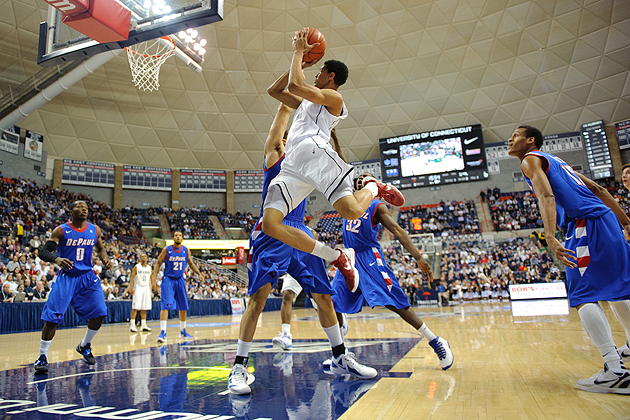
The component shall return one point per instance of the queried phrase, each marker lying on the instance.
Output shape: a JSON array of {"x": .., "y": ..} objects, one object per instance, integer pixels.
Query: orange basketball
[{"x": 314, "y": 36}]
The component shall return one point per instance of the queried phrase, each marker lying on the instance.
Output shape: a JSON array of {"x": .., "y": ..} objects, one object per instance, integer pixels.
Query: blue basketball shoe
[{"x": 41, "y": 365}]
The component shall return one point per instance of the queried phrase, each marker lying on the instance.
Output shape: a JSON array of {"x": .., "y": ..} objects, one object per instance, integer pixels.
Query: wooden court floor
[{"x": 510, "y": 363}]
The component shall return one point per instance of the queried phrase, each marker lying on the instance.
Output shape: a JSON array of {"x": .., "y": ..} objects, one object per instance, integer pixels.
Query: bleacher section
[
  {"x": 514, "y": 211},
  {"x": 444, "y": 218}
]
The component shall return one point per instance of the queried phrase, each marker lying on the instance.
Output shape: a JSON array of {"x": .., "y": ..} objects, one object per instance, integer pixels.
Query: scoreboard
[
  {"x": 202, "y": 180},
  {"x": 623, "y": 134},
  {"x": 249, "y": 181},
  {"x": 597, "y": 151},
  {"x": 147, "y": 178},
  {"x": 82, "y": 172},
  {"x": 436, "y": 157}
]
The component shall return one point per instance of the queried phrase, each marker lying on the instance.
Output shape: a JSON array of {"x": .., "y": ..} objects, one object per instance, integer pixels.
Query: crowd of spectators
[
  {"x": 444, "y": 219},
  {"x": 513, "y": 211},
  {"x": 194, "y": 223}
]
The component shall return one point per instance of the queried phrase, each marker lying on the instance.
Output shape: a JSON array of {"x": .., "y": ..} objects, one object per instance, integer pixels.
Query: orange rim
[{"x": 168, "y": 38}]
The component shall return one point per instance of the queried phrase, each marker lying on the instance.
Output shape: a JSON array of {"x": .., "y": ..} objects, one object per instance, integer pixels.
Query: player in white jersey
[
  {"x": 311, "y": 162},
  {"x": 140, "y": 288}
]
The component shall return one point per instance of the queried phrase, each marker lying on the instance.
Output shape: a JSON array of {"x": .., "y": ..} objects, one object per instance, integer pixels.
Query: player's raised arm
[
  {"x": 274, "y": 145},
  {"x": 46, "y": 253},
  {"x": 603, "y": 194},
  {"x": 328, "y": 97},
  {"x": 100, "y": 249},
  {"x": 532, "y": 169},
  {"x": 382, "y": 216},
  {"x": 278, "y": 90},
  {"x": 193, "y": 266}
]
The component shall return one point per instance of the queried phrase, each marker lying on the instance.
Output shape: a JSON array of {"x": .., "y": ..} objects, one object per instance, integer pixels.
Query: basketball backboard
[{"x": 150, "y": 19}]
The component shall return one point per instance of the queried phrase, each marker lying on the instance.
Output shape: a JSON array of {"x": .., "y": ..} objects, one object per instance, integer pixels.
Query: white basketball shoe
[
  {"x": 443, "y": 350},
  {"x": 606, "y": 381},
  {"x": 346, "y": 364},
  {"x": 283, "y": 341},
  {"x": 240, "y": 380}
]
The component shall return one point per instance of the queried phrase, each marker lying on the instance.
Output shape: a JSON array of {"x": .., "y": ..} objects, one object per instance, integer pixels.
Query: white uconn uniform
[
  {"x": 310, "y": 163},
  {"x": 142, "y": 288}
]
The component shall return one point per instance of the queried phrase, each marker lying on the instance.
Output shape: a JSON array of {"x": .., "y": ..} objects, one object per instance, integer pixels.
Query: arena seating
[
  {"x": 514, "y": 211},
  {"x": 443, "y": 218}
]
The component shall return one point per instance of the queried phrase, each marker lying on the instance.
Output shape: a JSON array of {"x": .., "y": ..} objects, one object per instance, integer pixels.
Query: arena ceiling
[{"x": 414, "y": 66}]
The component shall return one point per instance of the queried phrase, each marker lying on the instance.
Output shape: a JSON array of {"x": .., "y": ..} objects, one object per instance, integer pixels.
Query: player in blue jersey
[
  {"x": 175, "y": 258},
  {"x": 75, "y": 283},
  {"x": 378, "y": 285},
  {"x": 269, "y": 258},
  {"x": 596, "y": 254}
]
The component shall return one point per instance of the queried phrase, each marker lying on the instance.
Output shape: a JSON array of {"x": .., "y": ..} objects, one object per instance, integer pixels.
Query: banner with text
[
  {"x": 538, "y": 291},
  {"x": 82, "y": 172},
  {"x": 10, "y": 140},
  {"x": 33, "y": 146},
  {"x": 147, "y": 178}
]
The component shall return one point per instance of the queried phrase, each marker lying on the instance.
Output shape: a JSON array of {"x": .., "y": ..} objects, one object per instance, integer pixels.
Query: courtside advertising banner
[
  {"x": 538, "y": 291},
  {"x": 237, "y": 306},
  {"x": 10, "y": 140},
  {"x": 33, "y": 146}
]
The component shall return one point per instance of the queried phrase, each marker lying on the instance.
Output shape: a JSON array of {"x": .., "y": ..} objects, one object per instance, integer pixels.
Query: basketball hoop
[{"x": 145, "y": 60}]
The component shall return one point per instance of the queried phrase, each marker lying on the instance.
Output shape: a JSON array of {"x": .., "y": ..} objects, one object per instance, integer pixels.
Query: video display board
[{"x": 434, "y": 157}]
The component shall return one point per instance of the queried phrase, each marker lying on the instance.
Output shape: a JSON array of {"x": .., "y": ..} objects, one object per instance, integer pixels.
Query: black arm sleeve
[{"x": 46, "y": 252}]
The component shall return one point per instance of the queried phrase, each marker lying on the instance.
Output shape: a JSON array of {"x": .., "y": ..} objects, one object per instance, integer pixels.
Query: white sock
[
  {"x": 596, "y": 325},
  {"x": 621, "y": 310},
  {"x": 182, "y": 325},
  {"x": 371, "y": 187},
  {"x": 425, "y": 331},
  {"x": 163, "y": 325},
  {"x": 44, "y": 346},
  {"x": 325, "y": 252},
  {"x": 143, "y": 322},
  {"x": 132, "y": 322},
  {"x": 89, "y": 335},
  {"x": 243, "y": 348},
  {"x": 286, "y": 329},
  {"x": 334, "y": 335}
]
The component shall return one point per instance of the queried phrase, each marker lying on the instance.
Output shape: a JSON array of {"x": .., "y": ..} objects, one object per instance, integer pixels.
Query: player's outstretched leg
[
  {"x": 614, "y": 378},
  {"x": 439, "y": 345}
]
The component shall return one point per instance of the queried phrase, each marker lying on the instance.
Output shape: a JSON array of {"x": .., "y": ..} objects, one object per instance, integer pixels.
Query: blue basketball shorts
[
  {"x": 377, "y": 285},
  {"x": 174, "y": 294},
  {"x": 84, "y": 292},
  {"x": 269, "y": 258},
  {"x": 603, "y": 260}
]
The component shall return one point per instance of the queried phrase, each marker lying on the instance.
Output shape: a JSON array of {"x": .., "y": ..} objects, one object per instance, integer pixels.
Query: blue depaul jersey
[
  {"x": 573, "y": 198},
  {"x": 361, "y": 234},
  {"x": 297, "y": 213},
  {"x": 76, "y": 246},
  {"x": 176, "y": 261}
]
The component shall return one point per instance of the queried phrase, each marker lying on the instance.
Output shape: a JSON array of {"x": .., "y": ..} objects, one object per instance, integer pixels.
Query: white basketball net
[{"x": 145, "y": 60}]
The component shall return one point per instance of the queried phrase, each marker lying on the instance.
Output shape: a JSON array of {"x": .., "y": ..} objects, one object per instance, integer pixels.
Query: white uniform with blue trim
[
  {"x": 378, "y": 285},
  {"x": 311, "y": 163},
  {"x": 593, "y": 232}
]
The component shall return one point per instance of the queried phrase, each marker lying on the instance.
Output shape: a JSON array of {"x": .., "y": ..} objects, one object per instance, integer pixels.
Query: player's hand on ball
[{"x": 300, "y": 41}]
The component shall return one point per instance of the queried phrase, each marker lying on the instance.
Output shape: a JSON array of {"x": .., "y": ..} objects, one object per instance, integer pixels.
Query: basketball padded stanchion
[
  {"x": 145, "y": 60},
  {"x": 103, "y": 21}
]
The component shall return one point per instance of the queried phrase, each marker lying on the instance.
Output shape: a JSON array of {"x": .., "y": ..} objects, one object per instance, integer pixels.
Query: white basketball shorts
[
  {"x": 142, "y": 299},
  {"x": 311, "y": 164},
  {"x": 289, "y": 283}
]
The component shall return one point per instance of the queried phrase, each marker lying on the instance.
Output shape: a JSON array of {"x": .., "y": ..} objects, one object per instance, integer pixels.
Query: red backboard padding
[
  {"x": 70, "y": 7},
  {"x": 104, "y": 21}
]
